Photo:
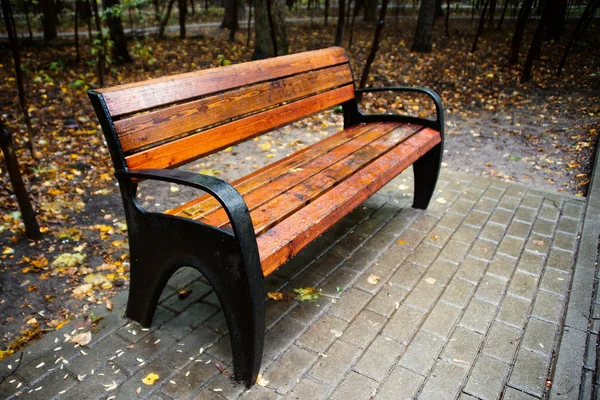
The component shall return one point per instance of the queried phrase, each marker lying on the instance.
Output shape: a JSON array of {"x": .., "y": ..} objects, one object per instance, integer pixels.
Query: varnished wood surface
[
  {"x": 192, "y": 147},
  {"x": 146, "y": 129},
  {"x": 140, "y": 96}
]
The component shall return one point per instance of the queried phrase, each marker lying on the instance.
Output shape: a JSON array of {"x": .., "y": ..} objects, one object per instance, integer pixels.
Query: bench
[{"x": 240, "y": 232}]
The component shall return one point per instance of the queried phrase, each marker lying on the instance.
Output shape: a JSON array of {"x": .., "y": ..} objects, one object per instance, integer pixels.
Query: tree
[
  {"x": 524, "y": 14},
  {"x": 481, "y": 25},
  {"x": 339, "y": 32},
  {"x": 270, "y": 31},
  {"x": 165, "y": 20},
  {"x": 556, "y": 20},
  {"x": 584, "y": 20},
  {"x": 49, "y": 19},
  {"x": 181, "y": 4},
  {"x": 370, "y": 10},
  {"x": 439, "y": 12},
  {"x": 230, "y": 18},
  {"x": 536, "y": 44},
  {"x": 374, "y": 48},
  {"x": 112, "y": 10},
  {"x": 423, "y": 42}
]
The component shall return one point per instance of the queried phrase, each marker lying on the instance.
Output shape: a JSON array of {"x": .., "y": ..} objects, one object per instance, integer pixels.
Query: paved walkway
[{"x": 465, "y": 300}]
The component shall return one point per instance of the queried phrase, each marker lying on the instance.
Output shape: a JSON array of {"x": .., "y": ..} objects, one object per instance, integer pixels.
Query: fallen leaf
[
  {"x": 82, "y": 339},
  {"x": 109, "y": 305},
  {"x": 538, "y": 242},
  {"x": 183, "y": 293},
  {"x": 82, "y": 289},
  {"x": 402, "y": 242},
  {"x": 150, "y": 378},
  {"x": 275, "y": 295},
  {"x": 441, "y": 200},
  {"x": 261, "y": 381},
  {"x": 431, "y": 281},
  {"x": 68, "y": 260},
  {"x": 373, "y": 279}
]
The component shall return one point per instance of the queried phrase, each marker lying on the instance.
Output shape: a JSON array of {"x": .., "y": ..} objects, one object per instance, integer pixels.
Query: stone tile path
[{"x": 464, "y": 300}]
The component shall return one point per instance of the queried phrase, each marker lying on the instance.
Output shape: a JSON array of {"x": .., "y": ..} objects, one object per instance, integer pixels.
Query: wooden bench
[{"x": 242, "y": 231}]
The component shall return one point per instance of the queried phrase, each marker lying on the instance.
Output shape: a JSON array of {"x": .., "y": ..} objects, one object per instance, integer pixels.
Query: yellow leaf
[
  {"x": 265, "y": 146},
  {"x": 403, "y": 242},
  {"x": 275, "y": 295},
  {"x": 150, "y": 378},
  {"x": 8, "y": 250},
  {"x": 373, "y": 279}
]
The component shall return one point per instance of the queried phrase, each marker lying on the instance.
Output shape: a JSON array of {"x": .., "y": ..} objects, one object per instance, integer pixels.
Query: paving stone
[
  {"x": 539, "y": 337},
  {"x": 377, "y": 360},
  {"x": 491, "y": 289},
  {"x": 97, "y": 356},
  {"x": 401, "y": 384},
  {"x": 464, "y": 396},
  {"x": 454, "y": 251},
  {"x": 458, "y": 293},
  {"x": 340, "y": 278},
  {"x": 478, "y": 316},
  {"x": 502, "y": 266},
  {"x": 347, "y": 246},
  {"x": 183, "y": 277},
  {"x": 441, "y": 320},
  {"x": 438, "y": 236},
  {"x": 487, "y": 378},
  {"x": 530, "y": 372},
  {"x": 560, "y": 259},
  {"x": 518, "y": 229},
  {"x": 147, "y": 349},
  {"x": 407, "y": 275},
  {"x": 340, "y": 358},
  {"x": 307, "y": 311},
  {"x": 191, "y": 347},
  {"x": 548, "y": 306},
  {"x": 483, "y": 249},
  {"x": 274, "y": 283},
  {"x": 350, "y": 304},
  {"x": 354, "y": 386},
  {"x": 366, "y": 283},
  {"x": 184, "y": 323},
  {"x": 50, "y": 387},
  {"x": 424, "y": 223},
  {"x": 274, "y": 312},
  {"x": 308, "y": 390},
  {"x": 220, "y": 351},
  {"x": 538, "y": 244},
  {"x": 568, "y": 225},
  {"x": 258, "y": 392},
  {"x": 477, "y": 219},
  {"x": 381, "y": 240},
  {"x": 570, "y": 359},
  {"x": 493, "y": 232},
  {"x": 424, "y": 255},
  {"x": 423, "y": 296},
  {"x": 462, "y": 348},
  {"x": 544, "y": 227},
  {"x": 590, "y": 353},
  {"x": 531, "y": 262},
  {"x": 472, "y": 269},
  {"x": 11, "y": 386},
  {"x": 493, "y": 193},
  {"x": 421, "y": 353},
  {"x": 361, "y": 259},
  {"x": 177, "y": 304},
  {"x": 450, "y": 221},
  {"x": 509, "y": 203},
  {"x": 465, "y": 234},
  {"x": 441, "y": 271},
  {"x": 328, "y": 263},
  {"x": 531, "y": 201},
  {"x": 565, "y": 241},
  {"x": 134, "y": 332},
  {"x": 511, "y": 246},
  {"x": 403, "y": 324},
  {"x": 444, "y": 382},
  {"x": 549, "y": 213},
  {"x": 282, "y": 336},
  {"x": 284, "y": 373},
  {"x": 486, "y": 205},
  {"x": 525, "y": 214},
  {"x": 462, "y": 207},
  {"x": 523, "y": 285},
  {"x": 94, "y": 386},
  {"x": 304, "y": 279},
  {"x": 502, "y": 217},
  {"x": 572, "y": 210},
  {"x": 324, "y": 332},
  {"x": 514, "y": 311},
  {"x": 502, "y": 341},
  {"x": 364, "y": 328},
  {"x": 40, "y": 364},
  {"x": 387, "y": 300},
  {"x": 129, "y": 388},
  {"x": 514, "y": 394}
]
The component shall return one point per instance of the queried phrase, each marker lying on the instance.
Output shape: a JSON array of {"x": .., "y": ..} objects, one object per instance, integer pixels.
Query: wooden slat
[
  {"x": 146, "y": 129},
  {"x": 274, "y": 202},
  {"x": 139, "y": 96},
  {"x": 286, "y": 239},
  {"x": 203, "y": 205},
  {"x": 189, "y": 148}
]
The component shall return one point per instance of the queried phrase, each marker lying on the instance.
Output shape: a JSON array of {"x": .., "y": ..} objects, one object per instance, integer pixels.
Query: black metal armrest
[
  {"x": 437, "y": 100},
  {"x": 232, "y": 201}
]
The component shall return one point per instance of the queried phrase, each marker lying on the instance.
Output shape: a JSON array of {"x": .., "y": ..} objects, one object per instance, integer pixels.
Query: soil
[{"x": 542, "y": 133}]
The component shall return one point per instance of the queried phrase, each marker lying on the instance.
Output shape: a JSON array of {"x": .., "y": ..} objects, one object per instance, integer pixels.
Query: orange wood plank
[
  {"x": 184, "y": 150},
  {"x": 276, "y": 201},
  {"x": 286, "y": 239},
  {"x": 146, "y": 129},
  {"x": 140, "y": 96},
  {"x": 199, "y": 207}
]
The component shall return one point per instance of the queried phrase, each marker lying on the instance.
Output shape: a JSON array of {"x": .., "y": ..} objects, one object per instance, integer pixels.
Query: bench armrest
[
  {"x": 232, "y": 201},
  {"x": 439, "y": 110}
]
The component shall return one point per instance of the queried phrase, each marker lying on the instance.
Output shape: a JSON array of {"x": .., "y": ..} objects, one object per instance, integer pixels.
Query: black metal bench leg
[{"x": 426, "y": 170}]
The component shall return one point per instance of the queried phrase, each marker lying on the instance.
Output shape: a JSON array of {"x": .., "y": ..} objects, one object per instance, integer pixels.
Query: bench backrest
[{"x": 170, "y": 121}]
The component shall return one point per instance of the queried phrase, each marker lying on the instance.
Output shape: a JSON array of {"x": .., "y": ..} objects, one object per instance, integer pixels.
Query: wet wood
[
  {"x": 167, "y": 123},
  {"x": 140, "y": 96},
  {"x": 277, "y": 200},
  {"x": 203, "y": 205},
  {"x": 190, "y": 148},
  {"x": 280, "y": 243}
]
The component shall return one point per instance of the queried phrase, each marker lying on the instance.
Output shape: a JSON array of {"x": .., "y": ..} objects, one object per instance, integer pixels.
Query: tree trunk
[
  {"x": 270, "y": 31},
  {"x": 374, "y": 48},
  {"x": 536, "y": 44},
  {"x": 88, "y": 19},
  {"x": 101, "y": 48},
  {"x": 492, "y": 13},
  {"x": 524, "y": 14},
  {"x": 32, "y": 229},
  {"x": 481, "y": 25},
  {"x": 354, "y": 14},
  {"x": 15, "y": 48},
  {"x": 26, "y": 11},
  {"x": 249, "y": 19},
  {"x": 119, "y": 50},
  {"x": 506, "y": 2},
  {"x": 339, "y": 32},
  {"x": 77, "y": 55},
  {"x": 370, "y": 10},
  {"x": 447, "y": 21},
  {"x": 165, "y": 20},
  {"x": 424, "y": 34},
  {"x": 230, "y": 18},
  {"x": 49, "y": 19},
  {"x": 439, "y": 12},
  {"x": 588, "y": 13},
  {"x": 181, "y": 4},
  {"x": 556, "y": 20},
  {"x": 326, "y": 12}
]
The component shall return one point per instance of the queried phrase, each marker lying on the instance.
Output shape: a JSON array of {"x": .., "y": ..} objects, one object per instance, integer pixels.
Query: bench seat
[{"x": 293, "y": 201}]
